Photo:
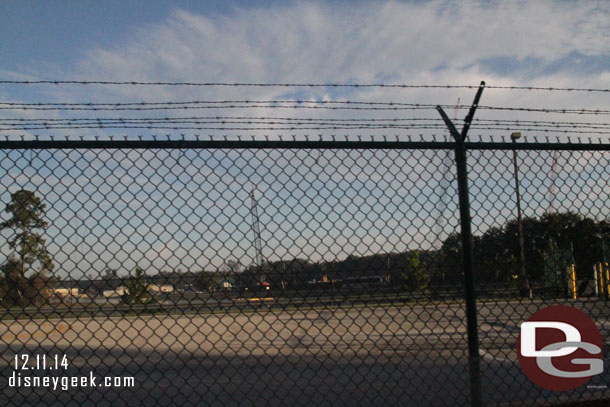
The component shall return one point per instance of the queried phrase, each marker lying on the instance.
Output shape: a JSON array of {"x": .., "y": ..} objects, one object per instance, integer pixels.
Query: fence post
[{"x": 466, "y": 232}]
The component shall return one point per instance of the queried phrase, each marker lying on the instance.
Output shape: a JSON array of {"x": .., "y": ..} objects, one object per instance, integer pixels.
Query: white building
[
  {"x": 117, "y": 292},
  {"x": 165, "y": 288}
]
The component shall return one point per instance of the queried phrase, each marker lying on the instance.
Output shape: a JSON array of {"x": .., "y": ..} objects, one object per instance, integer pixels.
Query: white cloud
[
  {"x": 438, "y": 42},
  {"x": 367, "y": 42}
]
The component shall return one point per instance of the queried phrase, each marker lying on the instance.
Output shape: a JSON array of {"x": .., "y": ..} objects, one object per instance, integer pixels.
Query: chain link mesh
[
  {"x": 267, "y": 276},
  {"x": 564, "y": 200}
]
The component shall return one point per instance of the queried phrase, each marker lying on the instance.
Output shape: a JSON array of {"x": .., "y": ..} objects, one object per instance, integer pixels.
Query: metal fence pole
[
  {"x": 471, "y": 305},
  {"x": 466, "y": 233}
]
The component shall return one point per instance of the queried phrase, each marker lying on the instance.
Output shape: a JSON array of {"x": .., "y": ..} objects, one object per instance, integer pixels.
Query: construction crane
[{"x": 258, "y": 242}]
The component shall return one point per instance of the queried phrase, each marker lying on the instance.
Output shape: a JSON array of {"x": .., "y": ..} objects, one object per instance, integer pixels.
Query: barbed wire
[
  {"x": 59, "y": 105},
  {"x": 270, "y": 123},
  {"x": 244, "y": 122},
  {"x": 284, "y": 120},
  {"x": 547, "y": 110},
  {"x": 243, "y": 128},
  {"x": 273, "y": 104},
  {"x": 311, "y": 85},
  {"x": 218, "y": 118},
  {"x": 223, "y": 104},
  {"x": 371, "y": 106},
  {"x": 229, "y": 126},
  {"x": 249, "y": 119},
  {"x": 552, "y": 123}
]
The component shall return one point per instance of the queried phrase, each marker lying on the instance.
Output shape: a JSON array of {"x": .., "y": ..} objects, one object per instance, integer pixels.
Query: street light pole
[{"x": 524, "y": 286}]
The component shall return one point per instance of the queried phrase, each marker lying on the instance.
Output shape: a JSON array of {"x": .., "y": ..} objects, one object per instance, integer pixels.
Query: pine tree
[
  {"x": 137, "y": 290},
  {"x": 27, "y": 210},
  {"x": 16, "y": 289}
]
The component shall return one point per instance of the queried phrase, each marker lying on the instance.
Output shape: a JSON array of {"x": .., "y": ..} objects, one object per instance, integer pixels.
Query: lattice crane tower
[
  {"x": 553, "y": 188},
  {"x": 258, "y": 242}
]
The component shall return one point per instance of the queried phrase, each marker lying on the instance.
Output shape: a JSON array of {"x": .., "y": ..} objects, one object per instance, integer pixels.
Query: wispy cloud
[
  {"x": 542, "y": 43},
  {"x": 402, "y": 42}
]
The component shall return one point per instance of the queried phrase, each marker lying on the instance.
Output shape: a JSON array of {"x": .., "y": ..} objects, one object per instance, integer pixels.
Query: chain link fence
[{"x": 304, "y": 273}]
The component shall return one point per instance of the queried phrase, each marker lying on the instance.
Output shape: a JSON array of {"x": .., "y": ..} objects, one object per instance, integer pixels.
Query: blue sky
[
  {"x": 517, "y": 40},
  {"x": 519, "y": 43},
  {"x": 47, "y": 32}
]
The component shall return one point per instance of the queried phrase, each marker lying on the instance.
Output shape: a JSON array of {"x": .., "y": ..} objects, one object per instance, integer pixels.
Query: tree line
[{"x": 552, "y": 241}]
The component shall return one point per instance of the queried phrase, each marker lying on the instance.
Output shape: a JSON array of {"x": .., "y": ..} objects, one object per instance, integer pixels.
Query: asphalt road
[{"x": 359, "y": 356}]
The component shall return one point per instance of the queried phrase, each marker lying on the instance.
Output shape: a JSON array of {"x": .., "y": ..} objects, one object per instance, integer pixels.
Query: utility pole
[{"x": 524, "y": 285}]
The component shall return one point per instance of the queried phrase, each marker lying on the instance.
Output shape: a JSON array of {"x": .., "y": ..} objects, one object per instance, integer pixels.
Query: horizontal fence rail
[
  {"x": 290, "y": 272},
  {"x": 257, "y": 143}
]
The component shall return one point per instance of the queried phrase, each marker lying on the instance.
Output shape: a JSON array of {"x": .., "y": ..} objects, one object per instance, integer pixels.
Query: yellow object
[
  {"x": 572, "y": 273},
  {"x": 607, "y": 274}
]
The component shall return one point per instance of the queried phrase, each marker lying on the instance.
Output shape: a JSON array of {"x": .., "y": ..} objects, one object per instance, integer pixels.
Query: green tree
[
  {"x": 207, "y": 280},
  {"x": 415, "y": 277},
  {"x": 39, "y": 288},
  {"x": 451, "y": 258},
  {"x": 555, "y": 263},
  {"x": 137, "y": 290},
  {"x": 14, "y": 285},
  {"x": 17, "y": 290},
  {"x": 27, "y": 210}
]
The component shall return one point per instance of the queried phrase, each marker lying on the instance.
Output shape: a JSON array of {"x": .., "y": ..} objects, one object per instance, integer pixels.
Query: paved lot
[{"x": 369, "y": 356}]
